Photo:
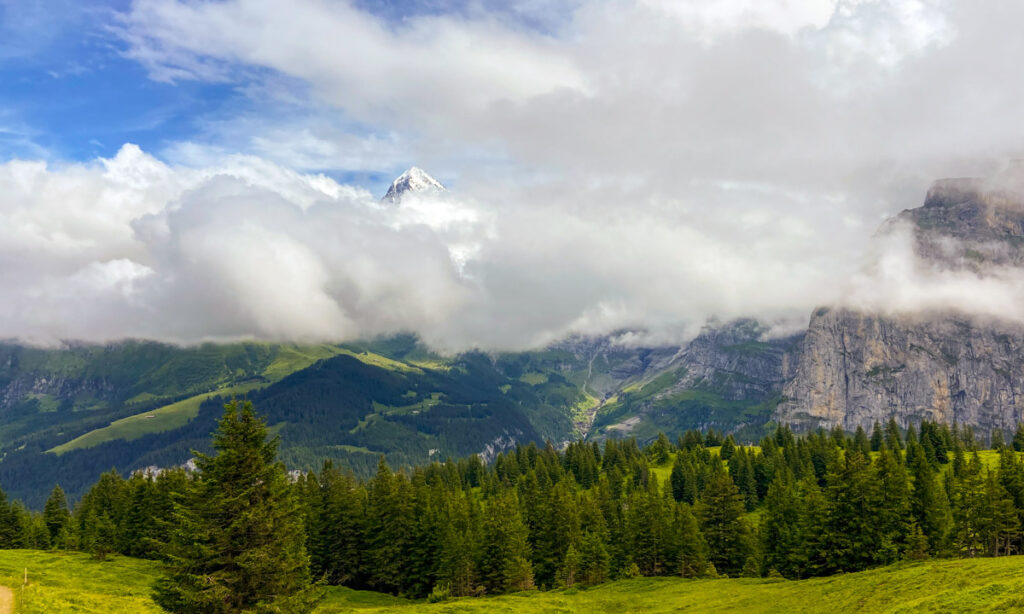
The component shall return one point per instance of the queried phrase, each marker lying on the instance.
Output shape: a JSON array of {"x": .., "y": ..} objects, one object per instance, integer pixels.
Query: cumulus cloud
[
  {"x": 131, "y": 247},
  {"x": 631, "y": 164}
]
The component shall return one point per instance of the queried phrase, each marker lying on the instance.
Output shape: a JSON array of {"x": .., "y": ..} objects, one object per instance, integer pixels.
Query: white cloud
[{"x": 643, "y": 163}]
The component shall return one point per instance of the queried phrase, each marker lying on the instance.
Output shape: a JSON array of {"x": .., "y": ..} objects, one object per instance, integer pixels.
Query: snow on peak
[{"x": 413, "y": 180}]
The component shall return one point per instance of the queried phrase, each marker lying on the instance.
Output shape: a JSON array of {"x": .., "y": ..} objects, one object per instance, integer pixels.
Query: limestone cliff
[{"x": 855, "y": 368}]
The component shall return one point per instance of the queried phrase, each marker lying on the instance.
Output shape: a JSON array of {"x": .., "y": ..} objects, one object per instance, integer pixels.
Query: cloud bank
[{"x": 638, "y": 163}]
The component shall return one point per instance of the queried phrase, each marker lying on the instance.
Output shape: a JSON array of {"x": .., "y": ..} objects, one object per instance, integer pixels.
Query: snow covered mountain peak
[{"x": 413, "y": 180}]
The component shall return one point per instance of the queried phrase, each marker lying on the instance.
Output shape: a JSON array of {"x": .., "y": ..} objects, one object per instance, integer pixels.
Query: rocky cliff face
[
  {"x": 738, "y": 360},
  {"x": 855, "y": 368}
]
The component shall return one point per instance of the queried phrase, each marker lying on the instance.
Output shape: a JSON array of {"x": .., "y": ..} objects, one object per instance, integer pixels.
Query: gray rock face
[
  {"x": 738, "y": 361},
  {"x": 606, "y": 365},
  {"x": 855, "y": 368}
]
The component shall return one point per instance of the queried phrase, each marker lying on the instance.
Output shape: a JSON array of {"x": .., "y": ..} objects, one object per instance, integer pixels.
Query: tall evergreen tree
[
  {"x": 10, "y": 527},
  {"x": 57, "y": 517},
  {"x": 239, "y": 543},
  {"x": 892, "y": 435},
  {"x": 876, "y": 437},
  {"x": 505, "y": 554},
  {"x": 721, "y": 515}
]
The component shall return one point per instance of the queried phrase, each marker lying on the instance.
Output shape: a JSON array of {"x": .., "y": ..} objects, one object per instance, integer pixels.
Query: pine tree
[
  {"x": 892, "y": 435},
  {"x": 505, "y": 553},
  {"x": 239, "y": 543},
  {"x": 854, "y": 540},
  {"x": 99, "y": 534},
  {"x": 917, "y": 544},
  {"x": 1018, "y": 438},
  {"x": 594, "y": 559},
  {"x": 687, "y": 549},
  {"x": 140, "y": 528},
  {"x": 457, "y": 568},
  {"x": 728, "y": 448},
  {"x": 893, "y": 517},
  {"x": 861, "y": 443},
  {"x": 568, "y": 572},
  {"x": 876, "y": 437},
  {"x": 335, "y": 527},
  {"x": 646, "y": 526},
  {"x": 389, "y": 529},
  {"x": 57, "y": 517},
  {"x": 683, "y": 479},
  {"x": 996, "y": 440},
  {"x": 10, "y": 528},
  {"x": 928, "y": 504},
  {"x": 721, "y": 515},
  {"x": 782, "y": 529}
]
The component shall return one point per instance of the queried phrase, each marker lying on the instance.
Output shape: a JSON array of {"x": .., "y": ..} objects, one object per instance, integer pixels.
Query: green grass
[
  {"x": 383, "y": 362},
  {"x": 947, "y": 586},
  {"x": 66, "y": 582},
  {"x": 292, "y": 358},
  {"x": 534, "y": 378},
  {"x": 166, "y": 418},
  {"x": 72, "y": 582}
]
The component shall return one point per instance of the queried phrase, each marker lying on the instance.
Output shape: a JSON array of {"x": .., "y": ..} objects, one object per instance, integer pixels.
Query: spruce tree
[
  {"x": 10, "y": 529},
  {"x": 505, "y": 553},
  {"x": 996, "y": 440},
  {"x": 57, "y": 516},
  {"x": 336, "y": 524},
  {"x": 892, "y": 435},
  {"x": 721, "y": 515},
  {"x": 861, "y": 443},
  {"x": 728, "y": 447},
  {"x": 876, "y": 437},
  {"x": 239, "y": 542}
]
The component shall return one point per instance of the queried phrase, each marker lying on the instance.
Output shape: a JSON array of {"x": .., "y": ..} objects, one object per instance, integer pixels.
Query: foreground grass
[
  {"x": 72, "y": 582},
  {"x": 66, "y": 582}
]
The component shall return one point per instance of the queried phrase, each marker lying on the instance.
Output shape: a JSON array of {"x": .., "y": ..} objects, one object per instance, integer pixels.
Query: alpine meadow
[{"x": 464, "y": 306}]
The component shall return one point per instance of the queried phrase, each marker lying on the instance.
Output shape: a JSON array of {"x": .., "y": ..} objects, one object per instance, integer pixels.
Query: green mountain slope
[
  {"x": 69, "y": 414},
  {"x": 346, "y": 403},
  {"x": 61, "y": 582}
]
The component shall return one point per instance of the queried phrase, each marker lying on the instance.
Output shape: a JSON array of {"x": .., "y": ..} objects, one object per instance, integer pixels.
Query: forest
[{"x": 794, "y": 505}]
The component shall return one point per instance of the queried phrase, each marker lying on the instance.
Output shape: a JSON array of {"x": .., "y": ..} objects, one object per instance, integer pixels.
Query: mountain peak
[{"x": 413, "y": 180}]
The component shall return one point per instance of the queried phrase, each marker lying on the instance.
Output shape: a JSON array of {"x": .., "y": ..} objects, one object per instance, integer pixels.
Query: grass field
[
  {"x": 162, "y": 419},
  {"x": 71, "y": 582},
  {"x": 64, "y": 582}
]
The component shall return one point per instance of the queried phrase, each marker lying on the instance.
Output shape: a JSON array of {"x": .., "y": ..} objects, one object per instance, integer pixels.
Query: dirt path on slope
[{"x": 6, "y": 600}]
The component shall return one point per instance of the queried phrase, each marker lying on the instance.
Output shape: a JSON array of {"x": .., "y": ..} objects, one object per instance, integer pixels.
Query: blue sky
[{"x": 70, "y": 92}]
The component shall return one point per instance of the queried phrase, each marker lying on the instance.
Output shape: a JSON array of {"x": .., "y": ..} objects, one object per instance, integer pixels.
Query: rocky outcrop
[{"x": 740, "y": 360}]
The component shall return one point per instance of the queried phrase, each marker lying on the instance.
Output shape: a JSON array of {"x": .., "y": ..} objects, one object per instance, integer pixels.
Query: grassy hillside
[
  {"x": 287, "y": 359},
  {"x": 61, "y": 582}
]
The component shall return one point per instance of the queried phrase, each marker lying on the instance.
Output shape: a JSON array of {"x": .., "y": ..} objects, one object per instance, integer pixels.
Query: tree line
[{"x": 794, "y": 506}]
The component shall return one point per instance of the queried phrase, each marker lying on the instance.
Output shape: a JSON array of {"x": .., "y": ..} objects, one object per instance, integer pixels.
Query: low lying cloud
[{"x": 133, "y": 247}]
